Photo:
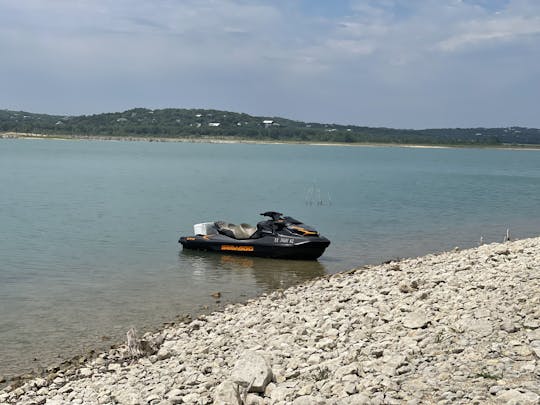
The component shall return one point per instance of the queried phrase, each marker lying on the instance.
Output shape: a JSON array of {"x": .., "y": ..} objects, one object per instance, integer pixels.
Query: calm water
[{"x": 89, "y": 230}]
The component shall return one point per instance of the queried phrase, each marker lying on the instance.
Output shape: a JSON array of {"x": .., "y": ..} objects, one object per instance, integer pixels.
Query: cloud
[
  {"x": 387, "y": 62},
  {"x": 478, "y": 33}
]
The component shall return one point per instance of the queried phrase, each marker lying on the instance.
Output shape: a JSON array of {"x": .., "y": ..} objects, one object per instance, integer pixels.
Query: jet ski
[{"x": 279, "y": 237}]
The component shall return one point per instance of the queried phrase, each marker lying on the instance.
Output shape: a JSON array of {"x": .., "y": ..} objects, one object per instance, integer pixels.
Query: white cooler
[{"x": 205, "y": 228}]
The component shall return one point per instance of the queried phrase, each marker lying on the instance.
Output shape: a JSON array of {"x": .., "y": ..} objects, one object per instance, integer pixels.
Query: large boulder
[{"x": 253, "y": 371}]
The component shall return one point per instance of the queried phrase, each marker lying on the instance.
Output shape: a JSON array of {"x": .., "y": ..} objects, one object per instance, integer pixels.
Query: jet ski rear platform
[{"x": 279, "y": 237}]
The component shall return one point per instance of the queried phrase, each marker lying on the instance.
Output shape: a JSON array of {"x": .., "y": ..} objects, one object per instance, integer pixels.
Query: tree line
[{"x": 201, "y": 123}]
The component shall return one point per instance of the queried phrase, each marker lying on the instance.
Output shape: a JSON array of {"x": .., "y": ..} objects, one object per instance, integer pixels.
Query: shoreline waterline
[
  {"x": 480, "y": 271},
  {"x": 216, "y": 140}
]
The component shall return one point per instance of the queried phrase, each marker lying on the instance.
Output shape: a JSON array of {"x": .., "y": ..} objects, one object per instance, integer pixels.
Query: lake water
[{"x": 89, "y": 229}]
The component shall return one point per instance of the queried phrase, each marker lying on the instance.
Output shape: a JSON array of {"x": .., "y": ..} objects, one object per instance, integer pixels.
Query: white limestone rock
[
  {"x": 415, "y": 320},
  {"x": 227, "y": 393},
  {"x": 481, "y": 327},
  {"x": 129, "y": 397},
  {"x": 309, "y": 400},
  {"x": 86, "y": 372},
  {"x": 174, "y": 396},
  {"x": 254, "y": 399},
  {"x": 191, "y": 398},
  {"x": 253, "y": 371},
  {"x": 515, "y": 397},
  {"x": 356, "y": 399}
]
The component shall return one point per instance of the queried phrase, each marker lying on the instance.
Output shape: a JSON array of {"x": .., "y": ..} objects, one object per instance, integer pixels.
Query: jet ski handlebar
[{"x": 272, "y": 214}]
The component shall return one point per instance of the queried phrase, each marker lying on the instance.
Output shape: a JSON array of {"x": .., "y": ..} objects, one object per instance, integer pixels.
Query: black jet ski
[{"x": 278, "y": 237}]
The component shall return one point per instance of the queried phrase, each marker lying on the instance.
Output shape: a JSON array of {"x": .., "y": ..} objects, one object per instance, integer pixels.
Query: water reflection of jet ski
[{"x": 278, "y": 237}]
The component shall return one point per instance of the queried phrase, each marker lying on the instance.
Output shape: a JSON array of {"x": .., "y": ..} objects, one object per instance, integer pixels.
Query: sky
[{"x": 385, "y": 63}]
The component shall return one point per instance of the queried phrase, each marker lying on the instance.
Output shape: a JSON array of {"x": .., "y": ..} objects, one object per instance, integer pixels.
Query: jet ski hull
[{"x": 278, "y": 246}]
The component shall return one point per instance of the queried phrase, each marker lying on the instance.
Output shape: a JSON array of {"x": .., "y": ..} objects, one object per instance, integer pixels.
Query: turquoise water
[{"x": 89, "y": 229}]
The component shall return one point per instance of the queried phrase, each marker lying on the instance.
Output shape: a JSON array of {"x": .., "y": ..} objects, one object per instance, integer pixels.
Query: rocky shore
[
  {"x": 235, "y": 140},
  {"x": 202, "y": 139},
  {"x": 456, "y": 327}
]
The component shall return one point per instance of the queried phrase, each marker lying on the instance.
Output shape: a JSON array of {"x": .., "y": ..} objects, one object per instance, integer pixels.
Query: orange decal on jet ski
[
  {"x": 304, "y": 231},
  {"x": 237, "y": 248}
]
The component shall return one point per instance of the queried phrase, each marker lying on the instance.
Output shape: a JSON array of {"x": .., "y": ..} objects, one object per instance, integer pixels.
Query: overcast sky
[{"x": 394, "y": 63}]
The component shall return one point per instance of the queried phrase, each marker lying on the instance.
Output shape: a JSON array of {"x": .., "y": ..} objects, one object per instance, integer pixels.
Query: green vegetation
[{"x": 199, "y": 124}]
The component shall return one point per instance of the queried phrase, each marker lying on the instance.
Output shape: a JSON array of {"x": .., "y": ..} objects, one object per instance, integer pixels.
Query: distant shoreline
[{"x": 19, "y": 135}]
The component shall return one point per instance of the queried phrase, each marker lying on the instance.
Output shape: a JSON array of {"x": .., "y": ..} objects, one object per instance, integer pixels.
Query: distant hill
[{"x": 200, "y": 123}]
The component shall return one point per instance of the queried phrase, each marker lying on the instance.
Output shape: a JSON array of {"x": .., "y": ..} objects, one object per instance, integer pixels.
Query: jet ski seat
[{"x": 242, "y": 231}]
